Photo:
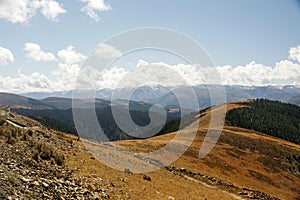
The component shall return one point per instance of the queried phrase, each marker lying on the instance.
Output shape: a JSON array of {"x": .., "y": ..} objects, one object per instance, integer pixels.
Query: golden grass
[{"x": 242, "y": 157}]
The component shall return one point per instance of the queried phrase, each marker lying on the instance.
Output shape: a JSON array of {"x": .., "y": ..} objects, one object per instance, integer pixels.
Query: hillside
[
  {"x": 62, "y": 120},
  {"x": 271, "y": 117},
  {"x": 18, "y": 101},
  {"x": 244, "y": 164}
]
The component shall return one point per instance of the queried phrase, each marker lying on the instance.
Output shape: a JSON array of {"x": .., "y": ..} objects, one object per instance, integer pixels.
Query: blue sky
[{"x": 234, "y": 33}]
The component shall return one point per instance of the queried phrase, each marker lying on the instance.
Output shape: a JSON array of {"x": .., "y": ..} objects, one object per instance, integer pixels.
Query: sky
[{"x": 44, "y": 42}]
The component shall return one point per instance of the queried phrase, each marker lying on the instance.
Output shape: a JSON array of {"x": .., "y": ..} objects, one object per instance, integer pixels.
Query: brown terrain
[{"x": 40, "y": 163}]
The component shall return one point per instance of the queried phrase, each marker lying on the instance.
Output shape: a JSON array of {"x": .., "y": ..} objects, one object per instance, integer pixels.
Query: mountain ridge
[{"x": 166, "y": 96}]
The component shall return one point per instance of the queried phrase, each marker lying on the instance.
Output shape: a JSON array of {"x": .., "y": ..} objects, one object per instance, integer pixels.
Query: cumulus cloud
[
  {"x": 6, "y": 56},
  {"x": 69, "y": 68},
  {"x": 295, "y": 53},
  {"x": 110, "y": 78},
  {"x": 51, "y": 9},
  {"x": 93, "y": 6},
  {"x": 66, "y": 76},
  {"x": 285, "y": 72},
  {"x": 21, "y": 11},
  {"x": 34, "y": 82},
  {"x": 35, "y": 52},
  {"x": 105, "y": 51},
  {"x": 70, "y": 56}
]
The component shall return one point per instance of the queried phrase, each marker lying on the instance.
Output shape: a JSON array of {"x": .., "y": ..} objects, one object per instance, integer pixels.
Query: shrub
[
  {"x": 46, "y": 151},
  {"x": 11, "y": 139},
  {"x": 2, "y": 119},
  {"x": 26, "y": 137}
]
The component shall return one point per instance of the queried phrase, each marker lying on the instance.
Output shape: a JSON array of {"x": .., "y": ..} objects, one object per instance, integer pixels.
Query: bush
[
  {"x": 46, "y": 151},
  {"x": 11, "y": 139},
  {"x": 2, "y": 118},
  {"x": 26, "y": 137}
]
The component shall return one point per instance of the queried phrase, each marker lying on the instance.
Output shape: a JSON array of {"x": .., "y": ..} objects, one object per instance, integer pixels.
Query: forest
[
  {"x": 274, "y": 118},
  {"x": 62, "y": 120}
]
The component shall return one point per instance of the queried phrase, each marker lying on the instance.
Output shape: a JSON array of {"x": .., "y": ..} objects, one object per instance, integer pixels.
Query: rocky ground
[
  {"x": 215, "y": 182},
  {"x": 32, "y": 167}
]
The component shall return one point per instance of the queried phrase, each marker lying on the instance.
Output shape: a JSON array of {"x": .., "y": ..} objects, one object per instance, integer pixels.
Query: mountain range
[{"x": 165, "y": 95}]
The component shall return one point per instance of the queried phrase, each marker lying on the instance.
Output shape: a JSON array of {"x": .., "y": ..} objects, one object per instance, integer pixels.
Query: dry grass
[{"x": 242, "y": 157}]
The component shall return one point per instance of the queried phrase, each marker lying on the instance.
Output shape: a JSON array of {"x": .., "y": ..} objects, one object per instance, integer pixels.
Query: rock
[
  {"x": 146, "y": 177},
  {"x": 45, "y": 184},
  {"x": 26, "y": 179},
  {"x": 123, "y": 179},
  {"x": 182, "y": 170},
  {"x": 34, "y": 183}
]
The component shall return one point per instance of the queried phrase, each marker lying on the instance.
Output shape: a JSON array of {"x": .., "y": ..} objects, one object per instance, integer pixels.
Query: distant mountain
[
  {"x": 295, "y": 100},
  {"x": 165, "y": 95},
  {"x": 233, "y": 94},
  {"x": 66, "y": 103},
  {"x": 43, "y": 95},
  {"x": 18, "y": 101},
  {"x": 138, "y": 94}
]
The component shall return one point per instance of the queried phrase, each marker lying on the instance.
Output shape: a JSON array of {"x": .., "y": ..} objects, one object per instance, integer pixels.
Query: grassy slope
[{"x": 242, "y": 157}]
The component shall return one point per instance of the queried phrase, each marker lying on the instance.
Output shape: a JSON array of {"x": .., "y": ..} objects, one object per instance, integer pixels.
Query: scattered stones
[
  {"x": 245, "y": 192},
  {"x": 23, "y": 177}
]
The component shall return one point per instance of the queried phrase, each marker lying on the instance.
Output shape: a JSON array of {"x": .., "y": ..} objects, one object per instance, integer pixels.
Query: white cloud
[
  {"x": 92, "y": 6},
  {"x": 34, "y": 82},
  {"x": 70, "y": 56},
  {"x": 105, "y": 51},
  {"x": 6, "y": 56},
  {"x": 285, "y": 72},
  {"x": 110, "y": 78},
  {"x": 35, "y": 52},
  {"x": 69, "y": 68},
  {"x": 51, "y": 9},
  {"x": 253, "y": 74},
  {"x": 66, "y": 76},
  {"x": 295, "y": 53},
  {"x": 21, "y": 11}
]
